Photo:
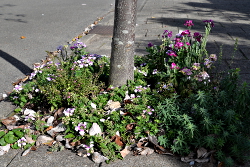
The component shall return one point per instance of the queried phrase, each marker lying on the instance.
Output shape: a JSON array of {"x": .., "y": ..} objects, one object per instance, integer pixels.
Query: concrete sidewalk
[{"x": 232, "y": 21}]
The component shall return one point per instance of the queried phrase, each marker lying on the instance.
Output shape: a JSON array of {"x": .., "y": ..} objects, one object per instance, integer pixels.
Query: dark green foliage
[{"x": 216, "y": 120}]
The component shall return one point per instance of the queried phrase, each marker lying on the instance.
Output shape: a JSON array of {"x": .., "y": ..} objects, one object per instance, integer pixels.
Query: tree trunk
[{"x": 122, "y": 54}]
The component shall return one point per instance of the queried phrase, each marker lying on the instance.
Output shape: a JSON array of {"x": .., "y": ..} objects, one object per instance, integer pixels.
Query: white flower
[
  {"x": 18, "y": 88},
  {"x": 69, "y": 111},
  {"x": 93, "y": 105},
  {"x": 102, "y": 120},
  {"x": 21, "y": 142}
]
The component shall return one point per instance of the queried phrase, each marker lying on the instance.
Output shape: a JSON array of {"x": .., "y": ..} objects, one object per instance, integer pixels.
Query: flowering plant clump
[
  {"x": 173, "y": 103},
  {"x": 181, "y": 60}
]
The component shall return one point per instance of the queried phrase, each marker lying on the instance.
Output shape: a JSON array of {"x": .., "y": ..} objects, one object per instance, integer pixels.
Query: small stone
[
  {"x": 95, "y": 129},
  {"x": 4, "y": 149},
  {"x": 43, "y": 139},
  {"x": 29, "y": 112},
  {"x": 26, "y": 152},
  {"x": 98, "y": 158},
  {"x": 50, "y": 121},
  {"x": 59, "y": 128},
  {"x": 191, "y": 163},
  {"x": 60, "y": 138},
  {"x": 147, "y": 151},
  {"x": 112, "y": 105}
]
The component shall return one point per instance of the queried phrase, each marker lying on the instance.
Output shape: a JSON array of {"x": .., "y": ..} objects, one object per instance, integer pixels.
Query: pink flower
[
  {"x": 174, "y": 66},
  {"x": 178, "y": 45},
  {"x": 186, "y": 32},
  {"x": 171, "y": 53},
  {"x": 81, "y": 128},
  {"x": 189, "y": 23}
]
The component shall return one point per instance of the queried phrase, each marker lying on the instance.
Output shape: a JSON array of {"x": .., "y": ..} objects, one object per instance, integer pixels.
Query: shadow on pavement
[{"x": 15, "y": 62}]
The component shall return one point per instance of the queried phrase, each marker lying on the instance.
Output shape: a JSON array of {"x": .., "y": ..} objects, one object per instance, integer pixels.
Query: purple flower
[
  {"x": 132, "y": 96},
  {"x": 196, "y": 66},
  {"x": 186, "y": 71},
  {"x": 79, "y": 44},
  {"x": 29, "y": 117},
  {"x": 81, "y": 128},
  {"x": 213, "y": 57},
  {"x": 179, "y": 36},
  {"x": 150, "y": 44},
  {"x": 49, "y": 78},
  {"x": 154, "y": 71},
  {"x": 60, "y": 47},
  {"x": 69, "y": 111},
  {"x": 167, "y": 33},
  {"x": 171, "y": 53},
  {"x": 18, "y": 88},
  {"x": 197, "y": 36},
  {"x": 208, "y": 63},
  {"x": 21, "y": 142},
  {"x": 209, "y": 22},
  {"x": 202, "y": 76},
  {"x": 32, "y": 75}
]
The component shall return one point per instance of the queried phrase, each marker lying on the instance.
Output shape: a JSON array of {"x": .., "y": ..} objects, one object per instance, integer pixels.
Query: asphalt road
[{"x": 45, "y": 24}]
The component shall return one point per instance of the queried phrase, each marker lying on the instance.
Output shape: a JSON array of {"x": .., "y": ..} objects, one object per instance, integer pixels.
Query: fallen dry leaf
[
  {"x": 22, "y": 37},
  {"x": 128, "y": 101},
  {"x": 142, "y": 143},
  {"x": 130, "y": 126},
  {"x": 49, "y": 128},
  {"x": 9, "y": 121},
  {"x": 117, "y": 140},
  {"x": 77, "y": 143},
  {"x": 17, "y": 82},
  {"x": 33, "y": 148},
  {"x": 124, "y": 152},
  {"x": 220, "y": 164},
  {"x": 29, "y": 139},
  {"x": 162, "y": 150},
  {"x": 59, "y": 113}
]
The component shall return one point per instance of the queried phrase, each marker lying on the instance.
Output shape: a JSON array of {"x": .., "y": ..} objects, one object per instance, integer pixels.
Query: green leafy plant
[
  {"x": 14, "y": 137},
  {"x": 172, "y": 97}
]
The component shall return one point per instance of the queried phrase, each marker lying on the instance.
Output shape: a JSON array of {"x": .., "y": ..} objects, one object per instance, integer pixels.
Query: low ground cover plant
[{"x": 174, "y": 102}]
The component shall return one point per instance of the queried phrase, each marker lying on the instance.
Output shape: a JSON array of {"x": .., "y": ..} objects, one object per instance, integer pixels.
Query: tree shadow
[
  {"x": 239, "y": 6},
  {"x": 15, "y": 62},
  {"x": 18, "y": 19}
]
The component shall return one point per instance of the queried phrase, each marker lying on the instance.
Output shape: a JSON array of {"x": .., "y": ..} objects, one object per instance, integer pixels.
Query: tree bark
[{"x": 122, "y": 54}]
